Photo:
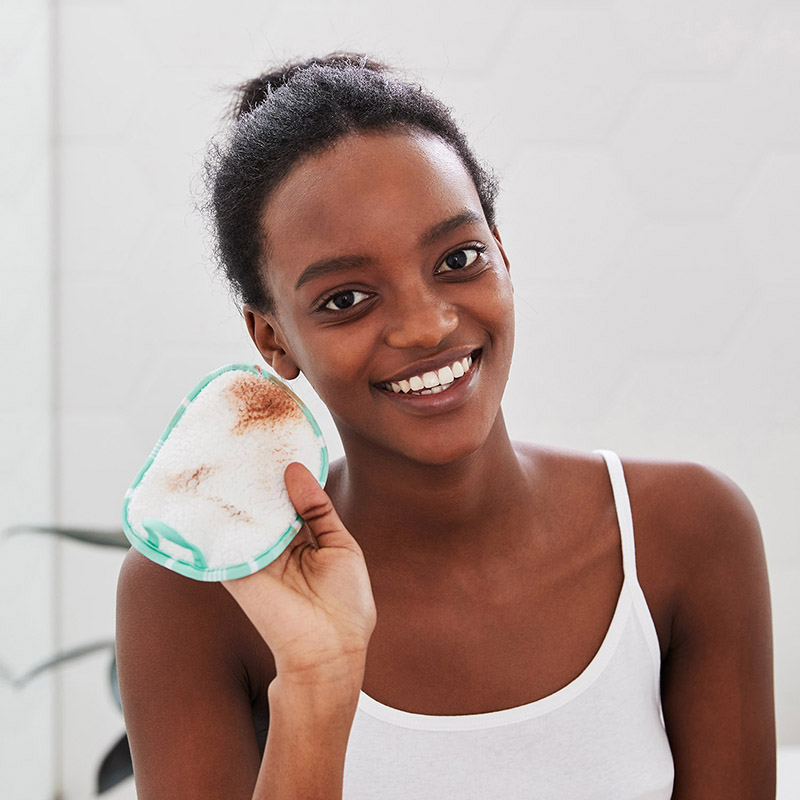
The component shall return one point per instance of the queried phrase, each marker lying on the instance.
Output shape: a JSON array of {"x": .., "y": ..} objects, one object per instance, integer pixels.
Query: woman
[{"x": 462, "y": 615}]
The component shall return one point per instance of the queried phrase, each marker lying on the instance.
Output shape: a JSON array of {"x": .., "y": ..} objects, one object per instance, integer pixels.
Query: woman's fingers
[
  {"x": 315, "y": 507},
  {"x": 311, "y": 607}
]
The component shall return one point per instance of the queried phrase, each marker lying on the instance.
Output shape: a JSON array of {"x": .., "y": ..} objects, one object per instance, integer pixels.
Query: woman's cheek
[
  {"x": 335, "y": 366},
  {"x": 501, "y": 292}
]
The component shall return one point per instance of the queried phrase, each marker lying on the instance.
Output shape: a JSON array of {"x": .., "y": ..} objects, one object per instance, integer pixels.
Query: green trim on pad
[{"x": 147, "y": 542}]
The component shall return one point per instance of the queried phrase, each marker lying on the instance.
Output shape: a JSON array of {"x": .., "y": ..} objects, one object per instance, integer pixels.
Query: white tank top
[{"x": 601, "y": 736}]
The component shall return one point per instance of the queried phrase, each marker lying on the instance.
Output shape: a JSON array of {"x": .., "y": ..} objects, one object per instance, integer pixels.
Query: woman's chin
[{"x": 441, "y": 453}]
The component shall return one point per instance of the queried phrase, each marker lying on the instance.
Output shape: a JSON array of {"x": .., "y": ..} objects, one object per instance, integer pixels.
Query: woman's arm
[
  {"x": 308, "y": 733},
  {"x": 185, "y": 693},
  {"x": 717, "y": 676},
  {"x": 187, "y": 701},
  {"x": 190, "y": 656}
]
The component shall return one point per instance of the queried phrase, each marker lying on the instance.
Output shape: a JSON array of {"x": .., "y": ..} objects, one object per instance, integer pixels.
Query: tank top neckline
[{"x": 544, "y": 705}]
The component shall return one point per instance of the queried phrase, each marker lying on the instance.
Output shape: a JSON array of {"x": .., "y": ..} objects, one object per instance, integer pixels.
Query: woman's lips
[
  {"x": 446, "y": 397},
  {"x": 433, "y": 380}
]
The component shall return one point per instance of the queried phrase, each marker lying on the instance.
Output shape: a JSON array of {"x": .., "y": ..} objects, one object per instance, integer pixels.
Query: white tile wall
[
  {"x": 27, "y": 566},
  {"x": 649, "y": 201}
]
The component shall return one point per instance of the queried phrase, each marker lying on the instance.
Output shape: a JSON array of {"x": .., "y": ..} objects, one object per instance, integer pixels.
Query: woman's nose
[{"x": 420, "y": 320}]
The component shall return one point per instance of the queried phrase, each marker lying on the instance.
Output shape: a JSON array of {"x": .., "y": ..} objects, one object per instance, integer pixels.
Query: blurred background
[{"x": 649, "y": 152}]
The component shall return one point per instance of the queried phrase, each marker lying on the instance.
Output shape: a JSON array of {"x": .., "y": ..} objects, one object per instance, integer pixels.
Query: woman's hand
[{"x": 313, "y": 605}]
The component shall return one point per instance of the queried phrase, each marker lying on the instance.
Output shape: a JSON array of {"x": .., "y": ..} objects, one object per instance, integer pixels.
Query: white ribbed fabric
[{"x": 602, "y": 736}]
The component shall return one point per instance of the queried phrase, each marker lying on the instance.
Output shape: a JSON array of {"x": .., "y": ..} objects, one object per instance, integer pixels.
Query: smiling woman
[
  {"x": 461, "y": 615},
  {"x": 383, "y": 274}
]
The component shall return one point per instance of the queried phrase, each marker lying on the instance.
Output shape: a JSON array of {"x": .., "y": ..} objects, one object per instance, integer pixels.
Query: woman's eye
[
  {"x": 459, "y": 259},
  {"x": 341, "y": 301}
]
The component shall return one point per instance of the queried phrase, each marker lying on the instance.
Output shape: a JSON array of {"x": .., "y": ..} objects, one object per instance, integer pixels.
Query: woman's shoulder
[
  {"x": 695, "y": 506},
  {"x": 692, "y": 502},
  {"x": 191, "y": 622},
  {"x": 687, "y": 514},
  {"x": 191, "y": 684},
  {"x": 696, "y": 534},
  {"x": 699, "y": 550}
]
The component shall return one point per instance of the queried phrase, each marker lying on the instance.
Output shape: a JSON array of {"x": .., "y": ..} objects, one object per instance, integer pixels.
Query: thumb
[{"x": 315, "y": 507}]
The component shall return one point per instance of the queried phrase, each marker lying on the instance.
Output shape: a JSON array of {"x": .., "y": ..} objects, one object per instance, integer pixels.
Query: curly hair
[{"x": 297, "y": 110}]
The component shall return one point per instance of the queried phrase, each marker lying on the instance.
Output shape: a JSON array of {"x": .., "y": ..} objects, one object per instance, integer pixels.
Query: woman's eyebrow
[
  {"x": 329, "y": 265},
  {"x": 326, "y": 266},
  {"x": 443, "y": 228}
]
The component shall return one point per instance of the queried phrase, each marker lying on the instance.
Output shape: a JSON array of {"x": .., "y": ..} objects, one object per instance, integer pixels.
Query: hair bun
[{"x": 252, "y": 93}]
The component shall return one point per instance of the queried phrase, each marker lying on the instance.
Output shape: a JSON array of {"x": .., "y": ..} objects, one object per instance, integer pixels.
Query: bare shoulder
[
  {"x": 699, "y": 550},
  {"x": 193, "y": 675},
  {"x": 699, "y": 540},
  {"x": 696, "y": 532},
  {"x": 688, "y": 508},
  {"x": 161, "y": 608},
  {"x": 152, "y": 597},
  {"x": 700, "y": 519}
]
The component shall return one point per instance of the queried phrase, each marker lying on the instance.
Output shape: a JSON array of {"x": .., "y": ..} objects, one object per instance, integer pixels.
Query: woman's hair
[{"x": 300, "y": 109}]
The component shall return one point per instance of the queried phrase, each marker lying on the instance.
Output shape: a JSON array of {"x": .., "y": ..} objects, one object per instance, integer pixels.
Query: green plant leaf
[
  {"x": 62, "y": 658},
  {"x": 116, "y": 766},
  {"x": 113, "y": 679},
  {"x": 104, "y": 538}
]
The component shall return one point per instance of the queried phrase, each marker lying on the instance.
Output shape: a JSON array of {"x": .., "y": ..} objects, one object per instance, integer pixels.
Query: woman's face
[{"x": 383, "y": 267}]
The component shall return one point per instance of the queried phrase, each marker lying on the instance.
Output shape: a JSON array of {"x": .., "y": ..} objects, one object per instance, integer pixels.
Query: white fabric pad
[{"x": 218, "y": 477}]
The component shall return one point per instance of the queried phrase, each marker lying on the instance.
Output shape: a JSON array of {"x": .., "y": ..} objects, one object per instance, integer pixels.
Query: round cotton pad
[{"x": 210, "y": 502}]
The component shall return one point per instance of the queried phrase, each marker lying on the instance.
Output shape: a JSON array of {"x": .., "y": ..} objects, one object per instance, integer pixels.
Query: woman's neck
[{"x": 395, "y": 506}]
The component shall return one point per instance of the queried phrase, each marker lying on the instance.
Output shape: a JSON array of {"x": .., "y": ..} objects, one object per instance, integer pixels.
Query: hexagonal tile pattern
[
  {"x": 684, "y": 36},
  {"x": 769, "y": 77},
  {"x": 768, "y": 387},
  {"x": 184, "y": 33},
  {"x": 556, "y": 367},
  {"x": 678, "y": 290},
  {"x": 562, "y": 76},
  {"x": 766, "y": 217},
  {"x": 687, "y": 149},
  {"x": 575, "y": 215}
]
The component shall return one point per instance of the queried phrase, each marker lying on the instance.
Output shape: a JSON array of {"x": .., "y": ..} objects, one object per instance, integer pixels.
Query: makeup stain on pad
[
  {"x": 190, "y": 479},
  {"x": 232, "y": 510},
  {"x": 259, "y": 403},
  {"x": 216, "y": 477}
]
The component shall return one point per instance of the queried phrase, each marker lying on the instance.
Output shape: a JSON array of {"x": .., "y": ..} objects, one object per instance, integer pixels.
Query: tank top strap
[{"x": 624, "y": 516}]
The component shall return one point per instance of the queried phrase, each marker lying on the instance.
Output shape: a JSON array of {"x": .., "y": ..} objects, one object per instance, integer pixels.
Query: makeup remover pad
[{"x": 210, "y": 502}]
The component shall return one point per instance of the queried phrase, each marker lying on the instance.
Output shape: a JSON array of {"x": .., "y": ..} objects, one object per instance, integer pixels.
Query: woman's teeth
[{"x": 432, "y": 382}]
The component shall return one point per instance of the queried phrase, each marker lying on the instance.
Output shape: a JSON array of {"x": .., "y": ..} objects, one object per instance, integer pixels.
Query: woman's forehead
[{"x": 364, "y": 190}]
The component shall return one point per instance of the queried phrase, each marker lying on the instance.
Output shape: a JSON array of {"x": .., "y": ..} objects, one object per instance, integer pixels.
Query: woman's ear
[{"x": 268, "y": 338}]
